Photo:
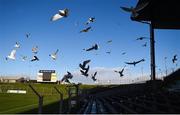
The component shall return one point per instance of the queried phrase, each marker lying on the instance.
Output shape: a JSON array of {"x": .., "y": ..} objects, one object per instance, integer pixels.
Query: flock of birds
[
  {"x": 12, "y": 55},
  {"x": 84, "y": 67}
]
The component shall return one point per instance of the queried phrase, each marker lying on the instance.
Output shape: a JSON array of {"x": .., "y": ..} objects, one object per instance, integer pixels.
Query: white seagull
[
  {"x": 54, "y": 55},
  {"x": 35, "y": 49},
  {"x": 17, "y": 45},
  {"x": 60, "y": 14},
  {"x": 91, "y": 19},
  {"x": 12, "y": 55}
]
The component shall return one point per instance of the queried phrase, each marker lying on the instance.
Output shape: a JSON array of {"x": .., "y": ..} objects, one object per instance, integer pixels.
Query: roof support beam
[{"x": 152, "y": 52}]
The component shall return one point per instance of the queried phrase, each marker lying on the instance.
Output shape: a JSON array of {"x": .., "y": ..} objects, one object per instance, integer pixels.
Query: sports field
[{"x": 28, "y": 103}]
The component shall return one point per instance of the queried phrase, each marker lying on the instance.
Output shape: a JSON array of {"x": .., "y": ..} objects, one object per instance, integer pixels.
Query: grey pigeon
[
  {"x": 60, "y": 14},
  {"x": 85, "y": 72},
  {"x": 109, "y": 41},
  {"x": 35, "y": 58},
  {"x": 135, "y": 62},
  {"x": 142, "y": 38},
  {"x": 93, "y": 76},
  {"x": 82, "y": 66},
  {"x": 120, "y": 72},
  {"x": 28, "y": 35},
  {"x": 144, "y": 45},
  {"x": 94, "y": 47},
  {"x": 85, "y": 30},
  {"x": 174, "y": 58}
]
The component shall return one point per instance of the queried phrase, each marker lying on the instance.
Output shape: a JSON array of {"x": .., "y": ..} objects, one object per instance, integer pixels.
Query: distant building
[
  {"x": 47, "y": 76},
  {"x": 11, "y": 79}
]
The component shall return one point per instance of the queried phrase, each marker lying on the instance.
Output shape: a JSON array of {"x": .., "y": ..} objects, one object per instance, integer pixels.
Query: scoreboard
[{"x": 46, "y": 76}]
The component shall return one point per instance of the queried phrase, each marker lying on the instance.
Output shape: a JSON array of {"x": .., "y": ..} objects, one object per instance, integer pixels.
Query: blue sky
[{"x": 33, "y": 16}]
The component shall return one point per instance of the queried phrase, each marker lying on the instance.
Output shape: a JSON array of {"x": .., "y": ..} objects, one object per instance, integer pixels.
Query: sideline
[
  {"x": 21, "y": 107},
  {"x": 9, "y": 110}
]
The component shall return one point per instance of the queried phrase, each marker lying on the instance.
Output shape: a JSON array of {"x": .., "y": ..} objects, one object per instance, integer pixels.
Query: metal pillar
[
  {"x": 60, "y": 100},
  {"x": 152, "y": 52},
  {"x": 40, "y": 97},
  {"x": 165, "y": 65}
]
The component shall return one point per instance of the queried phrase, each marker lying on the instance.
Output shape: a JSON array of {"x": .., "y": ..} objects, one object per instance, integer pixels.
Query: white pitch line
[
  {"x": 17, "y": 108},
  {"x": 22, "y": 107}
]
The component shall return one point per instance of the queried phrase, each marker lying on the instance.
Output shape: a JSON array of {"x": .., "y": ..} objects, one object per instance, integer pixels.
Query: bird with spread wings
[{"x": 135, "y": 62}]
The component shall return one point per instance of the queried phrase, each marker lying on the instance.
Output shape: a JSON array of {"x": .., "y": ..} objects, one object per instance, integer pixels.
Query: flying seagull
[
  {"x": 109, "y": 41},
  {"x": 174, "y": 58},
  {"x": 135, "y": 10},
  {"x": 109, "y": 52},
  {"x": 94, "y": 47},
  {"x": 60, "y": 14},
  {"x": 12, "y": 55},
  {"x": 54, "y": 55},
  {"x": 28, "y": 35},
  {"x": 35, "y": 49},
  {"x": 144, "y": 45},
  {"x": 17, "y": 45},
  {"x": 123, "y": 53},
  {"x": 85, "y": 30},
  {"x": 85, "y": 71},
  {"x": 82, "y": 66},
  {"x": 67, "y": 77},
  {"x": 142, "y": 38},
  {"x": 91, "y": 19},
  {"x": 93, "y": 76},
  {"x": 35, "y": 58},
  {"x": 120, "y": 72},
  {"x": 135, "y": 62},
  {"x": 24, "y": 58}
]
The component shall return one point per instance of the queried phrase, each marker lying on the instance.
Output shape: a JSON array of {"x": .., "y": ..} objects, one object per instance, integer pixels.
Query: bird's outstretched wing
[
  {"x": 84, "y": 73},
  {"x": 56, "y": 17},
  {"x": 56, "y": 51},
  {"x": 12, "y": 55},
  {"x": 141, "y": 6},
  {"x": 87, "y": 69},
  {"x": 81, "y": 66},
  {"x": 86, "y": 62},
  {"x": 123, "y": 53},
  {"x": 89, "y": 49},
  {"x": 68, "y": 73},
  {"x": 122, "y": 70},
  {"x": 116, "y": 71},
  {"x": 130, "y": 63},
  {"x": 95, "y": 74},
  {"x": 126, "y": 9},
  {"x": 85, "y": 30},
  {"x": 109, "y": 41},
  {"x": 139, "y": 61},
  {"x": 35, "y": 58}
]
